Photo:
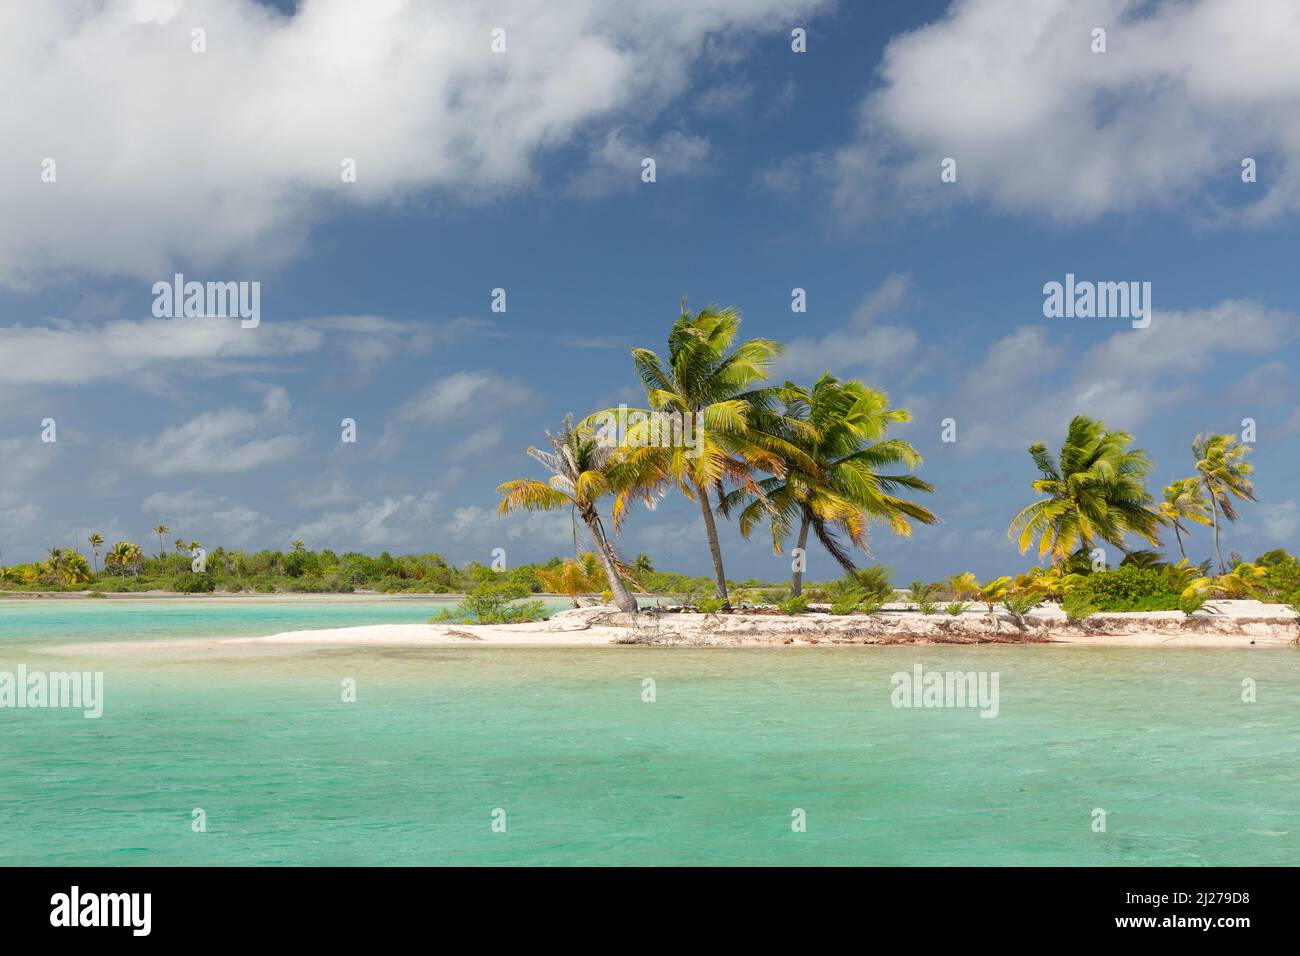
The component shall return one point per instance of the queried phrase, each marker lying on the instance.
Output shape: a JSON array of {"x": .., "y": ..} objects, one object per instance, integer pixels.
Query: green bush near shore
[
  {"x": 1128, "y": 588},
  {"x": 493, "y": 602},
  {"x": 194, "y": 584}
]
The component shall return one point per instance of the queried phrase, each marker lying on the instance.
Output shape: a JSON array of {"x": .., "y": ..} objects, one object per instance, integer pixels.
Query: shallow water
[{"x": 588, "y": 772}]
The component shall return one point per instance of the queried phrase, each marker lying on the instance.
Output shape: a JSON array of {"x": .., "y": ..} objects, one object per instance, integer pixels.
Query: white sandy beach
[{"x": 1227, "y": 624}]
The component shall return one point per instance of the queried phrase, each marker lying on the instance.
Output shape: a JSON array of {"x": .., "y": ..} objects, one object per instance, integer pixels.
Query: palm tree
[
  {"x": 120, "y": 555},
  {"x": 574, "y": 577},
  {"x": 726, "y": 426},
  {"x": 72, "y": 567},
  {"x": 1225, "y": 474},
  {"x": 583, "y": 470},
  {"x": 1096, "y": 492},
  {"x": 298, "y": 546},
  {"x": 50, "y": 569},
  {"x": 179, "y": 545},
  {"x": 1183, "y": 502},
  {"x": 161, "y": 530},
  {"x": 136, "y": 559},
  {"x": 96, "y": 542},
  {"x": 846, "y": 489}
]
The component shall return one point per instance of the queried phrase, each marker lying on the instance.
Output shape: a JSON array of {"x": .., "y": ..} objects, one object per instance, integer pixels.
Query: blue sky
[{"x": 521, "y": 170}]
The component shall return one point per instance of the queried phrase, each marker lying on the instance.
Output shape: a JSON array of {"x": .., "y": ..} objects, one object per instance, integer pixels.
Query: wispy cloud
[{"x": 223, "y": 441}]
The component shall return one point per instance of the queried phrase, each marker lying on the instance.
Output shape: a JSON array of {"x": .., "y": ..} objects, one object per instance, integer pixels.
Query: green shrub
[
  {"x": 875, "y": 582},
  {"x": 922, "y": 596},
  {"x": 1077, "y": 606},
  {"x": 1283, "y": 574},
  {"x": 955, "y": 608},
  {"x": 194, "y": 583},
  {"x": 493, "y": 602},
  {"x": 1128, "y": 588},
  {"x": 863, "y": 591},
  {"x": 710, "y": 605},
  {"x": 1021, "y": 604},
  {"x": 794, "y": 605},
  {"x": 856, "y": 604},
  {"x": 759, "y": 595}
]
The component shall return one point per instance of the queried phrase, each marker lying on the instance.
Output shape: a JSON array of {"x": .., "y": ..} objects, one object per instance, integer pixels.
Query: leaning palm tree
[
  {"x": 1096, "y": 491},
  {"x": 583, "y": 470},
  {"x": 1225, "y": 474},
  {"x": 96, "y": 542},
  {"x": 1183, "y": 502},
  {"x": 852, "y": 482},
  {"x": 160, "y": 531},
  {"x": 720, "y": 425}
]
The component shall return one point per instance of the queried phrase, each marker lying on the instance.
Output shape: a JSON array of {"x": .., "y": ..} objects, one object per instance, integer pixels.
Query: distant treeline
[{"x": 126, "y": 567}]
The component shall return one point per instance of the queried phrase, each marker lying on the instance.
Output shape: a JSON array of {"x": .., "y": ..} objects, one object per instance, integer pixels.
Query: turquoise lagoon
[{"x": 588, "y": 772}]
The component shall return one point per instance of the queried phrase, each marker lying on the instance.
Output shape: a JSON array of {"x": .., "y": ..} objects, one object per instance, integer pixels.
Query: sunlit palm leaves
[
  {"x": 730, "y": 424},
  {"x": 1096, "y": 491},
  {"x": 583, "y": 470},
  {"x": 855, "y": 474},
  {"x": 1225, "y": 475},
  {"x": 1183, "y": 501}
]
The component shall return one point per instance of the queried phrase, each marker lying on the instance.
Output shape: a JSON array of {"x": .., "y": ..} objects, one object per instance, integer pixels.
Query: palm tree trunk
[
  {"x": 622, "y": 597},
  {"x": 796, "y": 578},
  {"x": 1179, "y": 537},
  {"x": 715, "y": 550},
  {"x": 1214, "y": 516}
]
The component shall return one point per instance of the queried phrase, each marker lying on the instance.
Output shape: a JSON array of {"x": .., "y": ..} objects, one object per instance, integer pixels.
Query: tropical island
[{"x": 797, "y": 462}]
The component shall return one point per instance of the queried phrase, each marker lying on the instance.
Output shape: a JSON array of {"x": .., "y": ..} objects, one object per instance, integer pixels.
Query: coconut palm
[
  {"x": 72, "y": 567},
  {"x": 1241, "y": 582},
  {"x": 1183, "y": 502},
  {"x": 1225, "y": 474},
  {"x": 574, "y": 577},
  {"x": 122, "y": 555},
  {"x": 49, "y": 569},
  {"x": 179, "y": 545},
  {"x": 964, "y": 585},
  {"x": 583, "y": 470},
  {"x": 160, "y": 531},
  {"x": 96, "y": 542},
  {"x": 1052, "y": 583},
  {"x": 727, "y": 425},
  {"x": 850, "y": 484},
  {"x": 1096, "y": 491}
]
